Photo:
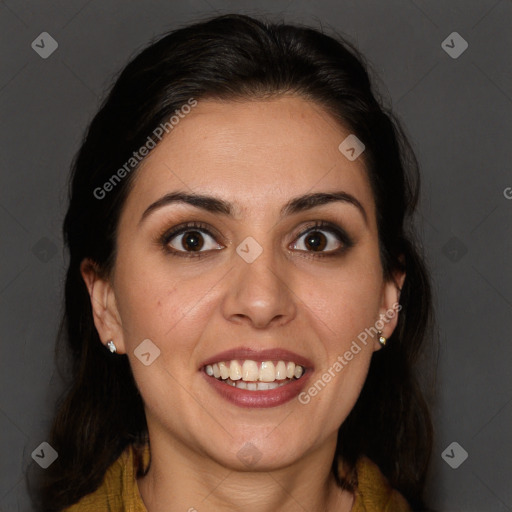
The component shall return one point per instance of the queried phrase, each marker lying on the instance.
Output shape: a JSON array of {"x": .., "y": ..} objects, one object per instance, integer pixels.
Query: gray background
[{"x": 456, "y": 111}]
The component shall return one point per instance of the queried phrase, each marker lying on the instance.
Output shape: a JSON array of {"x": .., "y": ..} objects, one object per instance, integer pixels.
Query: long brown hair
[{"x": 237, "y": 57}]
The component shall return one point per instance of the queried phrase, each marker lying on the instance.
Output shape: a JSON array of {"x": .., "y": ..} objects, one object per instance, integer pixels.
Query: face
[{"x": 280, "y": 296}]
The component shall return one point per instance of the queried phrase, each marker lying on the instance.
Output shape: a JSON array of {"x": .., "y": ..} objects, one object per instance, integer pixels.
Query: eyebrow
[{"x": 220, "y": 206}]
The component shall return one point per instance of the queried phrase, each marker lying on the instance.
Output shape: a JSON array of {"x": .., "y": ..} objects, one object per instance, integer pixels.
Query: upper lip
[{"x": 274, "y": 354}]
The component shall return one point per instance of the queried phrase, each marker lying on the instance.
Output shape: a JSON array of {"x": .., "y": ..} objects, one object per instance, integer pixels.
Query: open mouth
[{"x": 253, "y": 375}]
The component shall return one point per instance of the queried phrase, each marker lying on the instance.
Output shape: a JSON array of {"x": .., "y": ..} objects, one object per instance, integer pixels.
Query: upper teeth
[{"x": 253, "y": 371}]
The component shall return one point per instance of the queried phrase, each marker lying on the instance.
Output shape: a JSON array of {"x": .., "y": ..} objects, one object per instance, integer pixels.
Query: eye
[
  {"x": 193, "y": 237},
  {"x": 330, "y": 240}
]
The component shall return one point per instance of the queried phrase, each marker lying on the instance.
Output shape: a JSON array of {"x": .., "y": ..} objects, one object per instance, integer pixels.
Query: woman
[{"x": 244, "y": 300}]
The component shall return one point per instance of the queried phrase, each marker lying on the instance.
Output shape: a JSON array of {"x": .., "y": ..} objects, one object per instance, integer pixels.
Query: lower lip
[{"x": 266, "y": 398}]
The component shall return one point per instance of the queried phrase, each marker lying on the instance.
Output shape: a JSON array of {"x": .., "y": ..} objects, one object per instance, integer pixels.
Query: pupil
[{"x": 193, "y": 240}]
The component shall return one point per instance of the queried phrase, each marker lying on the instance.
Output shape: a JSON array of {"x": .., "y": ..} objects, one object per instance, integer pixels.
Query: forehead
[{"x": 254, "y": 154}]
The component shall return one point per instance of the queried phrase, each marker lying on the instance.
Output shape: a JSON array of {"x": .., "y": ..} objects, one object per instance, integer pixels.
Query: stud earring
[
  {"x": 112, "y": 347},
  {"x": 382, "y": 340}
]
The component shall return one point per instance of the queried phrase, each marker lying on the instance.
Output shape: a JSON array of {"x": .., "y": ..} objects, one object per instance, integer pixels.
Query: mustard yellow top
[{"x": 119, "y": 491}]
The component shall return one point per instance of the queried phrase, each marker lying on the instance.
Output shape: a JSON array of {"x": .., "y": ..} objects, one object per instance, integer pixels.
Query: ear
[
  {"x": 390, "y": 307},
  {"x": 104, "y": 308}
]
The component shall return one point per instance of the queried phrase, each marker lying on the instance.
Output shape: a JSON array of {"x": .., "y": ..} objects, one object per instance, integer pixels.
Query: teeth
[
  {"x": 224, "y": 371},
  {"x": 267, "y": 372},
  {"x": 250, "y": 370},
  {"x": 263, "y": 386},
  {"x": 254, "y": 386},
  {"x": 254, "y": 376},
  {"x": 290, "y": 370},
  {"x": 280, "y": 371},
  {"x": 235, "y": 371}
]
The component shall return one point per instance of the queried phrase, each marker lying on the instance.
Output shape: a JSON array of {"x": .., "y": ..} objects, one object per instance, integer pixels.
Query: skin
[{"x": 257, "y": 155}]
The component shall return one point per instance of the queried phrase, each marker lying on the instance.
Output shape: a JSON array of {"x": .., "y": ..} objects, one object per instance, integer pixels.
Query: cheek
[
  {"x": 346, "y": 300},
  {"x": 351, "y": 300},
  {"x": 159, "y": 302}
]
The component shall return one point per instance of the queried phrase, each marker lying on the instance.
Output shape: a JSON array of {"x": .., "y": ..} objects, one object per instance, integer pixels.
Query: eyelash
[{"x": 340, "y": 234}]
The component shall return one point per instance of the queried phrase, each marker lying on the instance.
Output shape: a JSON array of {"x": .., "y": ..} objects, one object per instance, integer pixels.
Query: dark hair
[{"x": 236, "y": 57}]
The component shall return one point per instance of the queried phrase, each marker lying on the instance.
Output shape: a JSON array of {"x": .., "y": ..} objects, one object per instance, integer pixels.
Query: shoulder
[
  {"x": 374, "y": 493},
  {"x": 116, "y": 492}
]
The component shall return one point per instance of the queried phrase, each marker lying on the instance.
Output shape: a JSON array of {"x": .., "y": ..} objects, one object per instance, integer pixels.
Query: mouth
[
  {"x": 257, "y": 379},
  {"x": 253, "y": 375}
]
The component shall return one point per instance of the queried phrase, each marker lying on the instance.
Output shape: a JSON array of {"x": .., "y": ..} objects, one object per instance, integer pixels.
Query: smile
[{"x": 253, "y": 375}]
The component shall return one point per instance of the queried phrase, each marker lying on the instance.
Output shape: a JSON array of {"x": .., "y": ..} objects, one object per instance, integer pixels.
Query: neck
[{"x": 179, "y": 479}]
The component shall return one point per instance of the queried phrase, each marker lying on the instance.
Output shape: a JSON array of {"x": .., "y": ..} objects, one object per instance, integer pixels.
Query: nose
[{"x": 259, "y": 293}]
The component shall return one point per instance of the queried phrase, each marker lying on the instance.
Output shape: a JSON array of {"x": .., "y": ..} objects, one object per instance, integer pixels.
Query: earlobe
[
  {"x": 390, "y": 307},
  {"x": 103, "y": 304},
  {"x": 382, "y": 339}
]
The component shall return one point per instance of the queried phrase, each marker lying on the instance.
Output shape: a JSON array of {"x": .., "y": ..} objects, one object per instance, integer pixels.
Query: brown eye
[
  {"x": 328, "y": 240},
  {"x": 188, "y": 239},
  {"x": 316, "y": 241},
  {"x": 192, "y": 240}
]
